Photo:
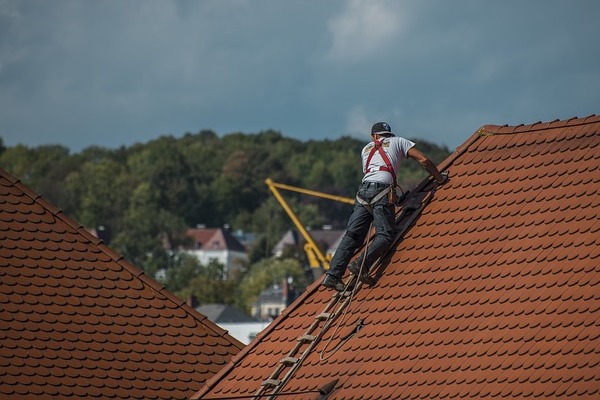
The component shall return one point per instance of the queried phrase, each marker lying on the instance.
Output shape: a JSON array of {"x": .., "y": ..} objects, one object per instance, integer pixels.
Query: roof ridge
[
  {"x": 487, "y": 130},
  {"x": 136, "y": 272},
  {"x": 230, "y": 242}
]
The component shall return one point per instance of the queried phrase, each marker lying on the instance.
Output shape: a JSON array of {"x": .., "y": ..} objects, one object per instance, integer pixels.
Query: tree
[
  {"x": 21, "y": 162},
  {"x": 205, "y": 283},
  {"x": 104, "y": 191},
  {"x": 188, "y": 267},
  {"x": 161, "y": 165},
  {"x": 149, "y": 232}
]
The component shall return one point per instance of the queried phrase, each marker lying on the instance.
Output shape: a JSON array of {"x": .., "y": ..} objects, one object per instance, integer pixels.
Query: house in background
[
  {"x": 78, "y": 321},
  {"x": 273, "y": 300},
  {"x": 492, "y": 290},
  {"x": 237, "y": 323},
  {"x": 327, "y": 239},
  {"x": 217, "y": 244}
]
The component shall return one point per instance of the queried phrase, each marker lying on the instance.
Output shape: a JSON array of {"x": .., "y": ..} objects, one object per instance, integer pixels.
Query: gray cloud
[{"x": 110, "y": 72}]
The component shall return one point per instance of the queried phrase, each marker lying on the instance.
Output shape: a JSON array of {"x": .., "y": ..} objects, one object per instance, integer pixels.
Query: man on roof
[{"x": 375, "y": 203}]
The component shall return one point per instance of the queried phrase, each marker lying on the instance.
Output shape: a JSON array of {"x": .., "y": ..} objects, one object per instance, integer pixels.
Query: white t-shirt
[{"x": 396, "y": 149}]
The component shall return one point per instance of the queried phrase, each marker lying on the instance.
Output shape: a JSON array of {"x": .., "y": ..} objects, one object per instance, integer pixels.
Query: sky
[{"x": 113, "y": 73}]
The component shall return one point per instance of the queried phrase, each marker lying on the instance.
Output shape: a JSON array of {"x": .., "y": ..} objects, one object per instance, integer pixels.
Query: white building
[{"x": 216, "y": 244}]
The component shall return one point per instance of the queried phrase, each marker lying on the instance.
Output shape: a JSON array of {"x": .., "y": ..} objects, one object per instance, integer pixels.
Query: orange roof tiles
[
  {"x": 76, "y": 320},
  {"x": 492, "y": 293}
]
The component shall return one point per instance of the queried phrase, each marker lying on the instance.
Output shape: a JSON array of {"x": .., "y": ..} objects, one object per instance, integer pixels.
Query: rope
[{"x": 354, "y": 290}]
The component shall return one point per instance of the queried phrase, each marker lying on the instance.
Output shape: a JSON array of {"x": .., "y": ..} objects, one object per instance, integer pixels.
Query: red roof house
[
  {"x": 492, "y": 290},
  {"x": 217, "y": 244},
  {"x": 78, "y": 321}
]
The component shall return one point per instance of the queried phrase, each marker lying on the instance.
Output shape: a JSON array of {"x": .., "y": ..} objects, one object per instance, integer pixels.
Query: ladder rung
[
  {"x": 347, "y": 293},
  {"x": 289, "y": 360},
  {"x": 307, "y": 338},
  {"x": 323, "y": 316},
  {"x": 271, "y": 382}
]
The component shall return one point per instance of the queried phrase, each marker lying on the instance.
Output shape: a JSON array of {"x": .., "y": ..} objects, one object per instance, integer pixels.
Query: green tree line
[{"x": 147, "y": 194}]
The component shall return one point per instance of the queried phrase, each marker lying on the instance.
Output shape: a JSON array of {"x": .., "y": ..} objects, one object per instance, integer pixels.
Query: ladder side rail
[{"x": 291, "y": 372}]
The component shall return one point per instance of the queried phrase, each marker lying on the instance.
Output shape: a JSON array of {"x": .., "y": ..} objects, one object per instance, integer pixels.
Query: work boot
[
  {"x": 333, "y": 282},
  {"x": 354, "y": 268}
]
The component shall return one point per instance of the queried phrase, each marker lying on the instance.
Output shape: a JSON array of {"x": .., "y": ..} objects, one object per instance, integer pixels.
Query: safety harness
[
  {"x": 388, "y": 164},
  {"x": 378, "y": 146}
]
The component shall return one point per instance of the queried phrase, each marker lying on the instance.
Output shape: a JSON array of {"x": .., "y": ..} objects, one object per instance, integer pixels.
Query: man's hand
[
  {"x": 445, "y": 177},
  {"x": 427, "y": 164}
]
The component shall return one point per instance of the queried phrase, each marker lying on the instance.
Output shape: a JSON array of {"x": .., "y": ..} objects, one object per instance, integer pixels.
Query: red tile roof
[
  {"x": 76, "y": 320},
  {"x": 214, "y": 239},
  {"x": 492, "y": 293}
]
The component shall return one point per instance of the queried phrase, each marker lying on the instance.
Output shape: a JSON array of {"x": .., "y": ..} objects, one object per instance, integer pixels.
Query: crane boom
[
  {"x": 314, "y": 254},
  {"x": 342, "y": 199}
]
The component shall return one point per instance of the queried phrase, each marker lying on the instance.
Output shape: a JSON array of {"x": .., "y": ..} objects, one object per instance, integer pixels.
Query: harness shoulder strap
[{"x": 388, "y": 165}]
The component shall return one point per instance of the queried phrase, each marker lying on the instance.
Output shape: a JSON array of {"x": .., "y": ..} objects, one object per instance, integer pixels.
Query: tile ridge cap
[{"x": 491, "y": 129}]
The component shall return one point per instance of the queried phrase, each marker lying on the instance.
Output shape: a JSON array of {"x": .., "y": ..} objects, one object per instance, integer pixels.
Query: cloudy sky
[{"x": 116, "y": 72}]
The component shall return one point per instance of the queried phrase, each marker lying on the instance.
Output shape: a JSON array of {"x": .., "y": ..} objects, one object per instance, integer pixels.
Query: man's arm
[{"x": 427, "y": 164}]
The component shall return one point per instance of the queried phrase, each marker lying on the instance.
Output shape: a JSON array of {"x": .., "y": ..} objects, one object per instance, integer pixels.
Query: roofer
[{"x": 375, "y": 203}]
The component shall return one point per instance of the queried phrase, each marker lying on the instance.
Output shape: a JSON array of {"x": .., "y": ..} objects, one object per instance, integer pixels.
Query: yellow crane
[{"x": 316, "y": 258}]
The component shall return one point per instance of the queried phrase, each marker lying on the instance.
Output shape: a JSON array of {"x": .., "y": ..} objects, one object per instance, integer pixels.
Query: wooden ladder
[{"x": 305, "y": 343}]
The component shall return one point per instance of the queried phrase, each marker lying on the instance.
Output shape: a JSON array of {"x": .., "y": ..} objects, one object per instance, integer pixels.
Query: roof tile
[
  {"x": 492, "y": 293},
  {"x": 71, "y": 307}
]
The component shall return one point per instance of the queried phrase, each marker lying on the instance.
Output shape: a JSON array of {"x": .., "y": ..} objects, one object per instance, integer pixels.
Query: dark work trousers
[{"x": 384, "y": 220}]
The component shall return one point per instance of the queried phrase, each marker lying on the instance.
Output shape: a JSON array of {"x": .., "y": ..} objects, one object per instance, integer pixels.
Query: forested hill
[{"x": 148, "y": 193}]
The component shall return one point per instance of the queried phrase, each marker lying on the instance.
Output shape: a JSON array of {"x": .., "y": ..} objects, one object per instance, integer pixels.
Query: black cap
[{"x": 381, "y": 128}]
